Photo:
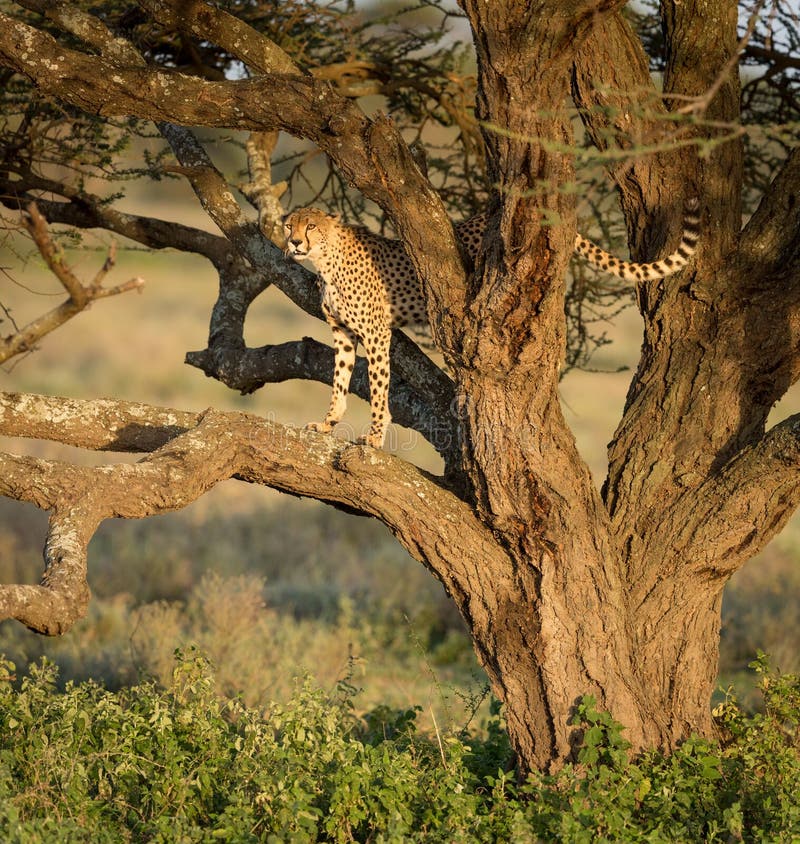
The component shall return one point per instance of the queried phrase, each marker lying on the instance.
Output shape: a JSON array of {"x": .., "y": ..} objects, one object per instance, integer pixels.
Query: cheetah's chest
[
  {"x": 353, "y": 295},
  {"x": 369, "y": 284}
]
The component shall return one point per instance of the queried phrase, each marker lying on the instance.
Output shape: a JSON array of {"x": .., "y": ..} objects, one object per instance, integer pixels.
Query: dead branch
[
  {"x": 80, "y": 295},
  {"x": 260, "y": 190}
]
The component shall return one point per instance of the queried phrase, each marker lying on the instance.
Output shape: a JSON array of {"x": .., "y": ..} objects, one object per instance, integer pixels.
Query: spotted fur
[
  {"x": 369, "y": 285},
  {"x": 634, "y": 271}
]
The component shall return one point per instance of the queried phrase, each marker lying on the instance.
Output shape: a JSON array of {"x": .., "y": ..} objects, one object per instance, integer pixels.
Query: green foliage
[
  {"x": 745, "y": 789},
  {"x": 182, "y": 763}
]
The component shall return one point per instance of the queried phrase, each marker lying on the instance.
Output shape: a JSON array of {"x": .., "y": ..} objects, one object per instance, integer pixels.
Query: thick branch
[
  {"x": 624, "y": 113},
  {"x": 99, "y": 425},
  {"x": 771, "y": 239},
  {"x": 738, "y": 511},
  {"x": 88, "y": 28},
  {"x": 432, "y": 523}
]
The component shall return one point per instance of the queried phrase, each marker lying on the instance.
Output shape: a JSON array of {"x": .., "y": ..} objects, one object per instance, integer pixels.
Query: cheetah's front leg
[
  {"x": 377, "y": 349},
  {"x": 344, "y": 345}
]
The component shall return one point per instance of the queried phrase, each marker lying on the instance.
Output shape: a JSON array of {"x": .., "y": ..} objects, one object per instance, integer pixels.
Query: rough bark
[
  {"x": 565, "y": 590},
  {"x": 719, "y": 349}
]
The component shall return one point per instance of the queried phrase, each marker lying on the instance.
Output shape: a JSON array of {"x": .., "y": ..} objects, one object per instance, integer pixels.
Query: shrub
[{"x": 184, "y": 764}]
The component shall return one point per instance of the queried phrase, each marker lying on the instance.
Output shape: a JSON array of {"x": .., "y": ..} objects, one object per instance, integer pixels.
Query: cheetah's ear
[{"x": 336, "y": 217}]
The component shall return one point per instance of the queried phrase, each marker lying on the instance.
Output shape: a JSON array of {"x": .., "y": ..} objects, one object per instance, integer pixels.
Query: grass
[{"x": 321, "y": 591}]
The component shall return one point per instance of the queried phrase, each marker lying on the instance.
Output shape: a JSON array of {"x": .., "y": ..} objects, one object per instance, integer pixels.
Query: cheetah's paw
[{"x": 320, "y": 427}]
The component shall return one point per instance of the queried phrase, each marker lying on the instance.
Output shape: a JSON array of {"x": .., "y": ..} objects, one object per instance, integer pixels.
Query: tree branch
[
  {"x": 777, "y": 59},
  {"x": 623, "y": 112},
  {"x": 79, "y": 296},
  {"x": 260, "y": 190},
  {"x": 735, "y": 513},
  {"x": 88, "y": 28},
  {"x": 87, "y": 211},
  {"x": 99, "y": 425},
  {"x": 250, "y": 368},
  {"x": 233, "y": 35},
  {"x": 424, "y": 516},
  {"x": 771, "y": 238}
]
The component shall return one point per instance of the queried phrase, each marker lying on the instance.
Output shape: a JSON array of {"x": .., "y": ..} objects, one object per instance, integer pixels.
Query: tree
[{"x": 565, "y": 590}]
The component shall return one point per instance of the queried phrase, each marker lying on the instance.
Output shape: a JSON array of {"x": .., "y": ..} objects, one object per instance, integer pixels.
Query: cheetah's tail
[{"x": 634, "y": 271}]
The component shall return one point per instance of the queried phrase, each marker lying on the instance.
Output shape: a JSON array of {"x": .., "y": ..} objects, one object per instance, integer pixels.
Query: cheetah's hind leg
[{"x": 377, "y": 349}]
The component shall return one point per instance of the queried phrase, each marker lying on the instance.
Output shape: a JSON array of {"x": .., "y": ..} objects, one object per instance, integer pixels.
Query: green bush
[{"x": 185, "y": 764}]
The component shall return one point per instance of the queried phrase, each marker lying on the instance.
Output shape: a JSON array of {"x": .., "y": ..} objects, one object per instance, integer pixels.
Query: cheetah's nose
[{"x": 295, "y": 242}]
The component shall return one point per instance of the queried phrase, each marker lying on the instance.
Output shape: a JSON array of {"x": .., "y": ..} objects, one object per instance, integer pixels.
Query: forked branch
[{"x": 80, "y": 296}]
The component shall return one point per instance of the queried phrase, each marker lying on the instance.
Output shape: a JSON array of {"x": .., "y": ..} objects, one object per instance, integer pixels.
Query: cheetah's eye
[{"x": 311, "y": 226}]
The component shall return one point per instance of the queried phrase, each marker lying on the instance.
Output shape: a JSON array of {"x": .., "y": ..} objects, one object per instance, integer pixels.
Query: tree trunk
[{"x": 565, "y": 626}]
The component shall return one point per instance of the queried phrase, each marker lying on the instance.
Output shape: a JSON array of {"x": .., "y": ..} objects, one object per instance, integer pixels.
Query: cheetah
[{"x": 369, "y": 286}]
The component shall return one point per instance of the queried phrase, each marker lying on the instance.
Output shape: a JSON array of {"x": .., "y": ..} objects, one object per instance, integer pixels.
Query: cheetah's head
[{"x": 307, "y": 233}]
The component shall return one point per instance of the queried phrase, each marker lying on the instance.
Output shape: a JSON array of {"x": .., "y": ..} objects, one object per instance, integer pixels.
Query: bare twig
[{"x": 80, "y": 296}]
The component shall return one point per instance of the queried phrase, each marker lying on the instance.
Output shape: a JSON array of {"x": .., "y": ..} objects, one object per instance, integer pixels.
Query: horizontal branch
[
  {"x": 248, "y": 369},
  {"x": 88, "y": 211},
  {"x": 434, "y": 525}
]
